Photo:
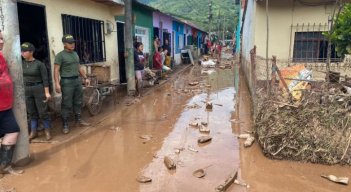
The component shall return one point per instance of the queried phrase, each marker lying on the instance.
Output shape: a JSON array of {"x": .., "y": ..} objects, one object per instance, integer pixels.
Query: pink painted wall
[{"x": 166, "y": 23}]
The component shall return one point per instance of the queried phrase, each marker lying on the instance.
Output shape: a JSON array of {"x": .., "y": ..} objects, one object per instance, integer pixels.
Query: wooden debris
[
  {"x": 143, "y": 179},
  {"x": 170, "y": 164},
  {"x": 228, "y": 182},
  {"x": 204, "y": 139}
]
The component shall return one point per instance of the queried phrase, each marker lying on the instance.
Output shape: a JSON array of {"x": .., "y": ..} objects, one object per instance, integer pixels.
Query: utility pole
[
  {"x": 210, "y": 16},
  {"x": 12, "y": 53},
  {"x": 128, "y": 40},
  {"x": 223, "y": 28}
]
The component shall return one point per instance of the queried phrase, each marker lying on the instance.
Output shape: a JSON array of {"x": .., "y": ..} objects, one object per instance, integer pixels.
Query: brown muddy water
[{"x": 111, "y": 154}]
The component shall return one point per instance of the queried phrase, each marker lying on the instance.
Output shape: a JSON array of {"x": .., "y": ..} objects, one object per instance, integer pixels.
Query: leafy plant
[{"x": 341, "y": 36}]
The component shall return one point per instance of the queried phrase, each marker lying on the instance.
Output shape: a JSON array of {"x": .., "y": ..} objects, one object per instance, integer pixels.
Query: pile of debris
[{"x": 315, "y": 129}]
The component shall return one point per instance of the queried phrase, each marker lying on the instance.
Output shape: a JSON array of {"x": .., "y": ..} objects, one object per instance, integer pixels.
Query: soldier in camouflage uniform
[{"x": 67, "y": 66}]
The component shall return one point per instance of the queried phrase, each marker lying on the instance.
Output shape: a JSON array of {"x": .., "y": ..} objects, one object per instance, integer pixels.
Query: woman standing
[
  {"x": 9, "y": 129},
  {"x": 37, "y": 93},
  {"x": 139, "y": 60}
]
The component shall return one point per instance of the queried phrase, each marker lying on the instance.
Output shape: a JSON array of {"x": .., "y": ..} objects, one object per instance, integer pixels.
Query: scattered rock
[
  {"x": 170, "y": 164},
  {"x": 200, "y": 173},
  {"x": 194, "y": 83},
  {"x": 209, "y": 105},
  {"x": 146, "y": 137},
  {"x": 143, "y": 179},
  {"x": 244, "y": 136},
  {"x": 241, "y": 183},
  {"x": 204, "y": 129},
  {"x": 204, "y": 139},
  {"x": 204, "y": 123},
  {"x": 194, "y": 124},
  {"x": 190, "y": 148}
]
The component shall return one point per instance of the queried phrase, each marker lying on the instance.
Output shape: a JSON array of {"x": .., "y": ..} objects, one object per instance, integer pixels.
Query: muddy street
[{"x": 114, "y": 152}]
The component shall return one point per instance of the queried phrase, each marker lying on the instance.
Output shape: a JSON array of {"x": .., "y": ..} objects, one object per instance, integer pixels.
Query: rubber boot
[
  {"x": 33, "y": 129},
  {"x": 65, "y": 127},
  {"x": 47, "y": 126},
  {"x": 79, "y": 120},
  {"x": 6, "y": 153}
]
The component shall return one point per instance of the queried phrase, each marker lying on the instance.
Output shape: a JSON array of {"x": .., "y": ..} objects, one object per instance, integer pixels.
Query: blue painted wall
[{"x": 178, "y": 28}]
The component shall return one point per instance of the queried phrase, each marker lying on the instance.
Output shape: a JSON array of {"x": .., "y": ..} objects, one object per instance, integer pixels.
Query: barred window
[
  {"x": 89, "y": 35},
  {"x": 312, "y": 47}
]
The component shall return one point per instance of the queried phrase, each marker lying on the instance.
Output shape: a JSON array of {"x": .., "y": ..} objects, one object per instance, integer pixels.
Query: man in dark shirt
[
  {"x": 168, "y": 47},
  {"x": 67, "y": 66},
  {"x": 139, "y": 61}
]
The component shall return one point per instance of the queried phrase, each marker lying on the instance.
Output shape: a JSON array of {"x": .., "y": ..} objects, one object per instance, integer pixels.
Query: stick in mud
[{"x": 228, "y": 182}]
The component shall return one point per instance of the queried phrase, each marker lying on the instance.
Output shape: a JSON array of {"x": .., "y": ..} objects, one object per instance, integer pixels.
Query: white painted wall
[{"x": 82, "y": 8}]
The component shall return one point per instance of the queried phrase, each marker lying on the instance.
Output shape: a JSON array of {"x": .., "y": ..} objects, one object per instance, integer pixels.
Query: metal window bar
[
  {"x": 89, "y": 35},
  {"x": 309, "y": 44}
]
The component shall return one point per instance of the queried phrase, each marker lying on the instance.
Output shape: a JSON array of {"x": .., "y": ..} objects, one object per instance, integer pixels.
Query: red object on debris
[{"x": 6, "y": 86}]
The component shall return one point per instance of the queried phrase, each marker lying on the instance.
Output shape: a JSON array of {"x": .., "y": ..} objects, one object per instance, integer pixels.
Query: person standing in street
[
  {"x": 167, "y": 47},
  {"x": 67, "y": 66},
  {"x": 36, "y": 82},
  {"x": 9, "y": 129},
  {"x": 139, "y": 60}
]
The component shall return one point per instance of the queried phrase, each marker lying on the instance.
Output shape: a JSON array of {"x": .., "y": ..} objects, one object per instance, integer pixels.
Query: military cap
[{"x": 27, "y": 47}]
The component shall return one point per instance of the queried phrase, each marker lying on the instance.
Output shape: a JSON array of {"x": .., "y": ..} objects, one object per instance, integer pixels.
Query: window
[
  {"x": 142, "y": 35},
  {"x": 89, "y": 35},
  {"x": 312, "y": 47}
]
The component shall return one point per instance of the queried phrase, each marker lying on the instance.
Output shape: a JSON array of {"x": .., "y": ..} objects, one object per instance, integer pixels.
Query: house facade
[
  {"x": 163, "y": 27},
  {"x": 43, "y": 23},
  {"x": 295, "y": 29},
  {"x": 178, "y": 40}
]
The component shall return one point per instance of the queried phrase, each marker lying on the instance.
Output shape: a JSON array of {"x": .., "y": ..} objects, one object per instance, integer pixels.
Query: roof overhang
[{"x": 111, "y": 2}]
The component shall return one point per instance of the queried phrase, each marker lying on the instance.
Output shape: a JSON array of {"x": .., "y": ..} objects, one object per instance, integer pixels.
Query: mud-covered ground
[{"x": 110, "y": 155}]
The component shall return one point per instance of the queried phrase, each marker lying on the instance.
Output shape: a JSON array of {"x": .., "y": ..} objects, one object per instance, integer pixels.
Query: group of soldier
[{"x": 67, "y": 73}]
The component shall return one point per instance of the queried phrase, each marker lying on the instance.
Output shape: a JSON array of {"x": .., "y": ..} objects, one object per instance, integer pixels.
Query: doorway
[
  {"x": 121, "y": 51},
  {"x": 33, "y": 29}
]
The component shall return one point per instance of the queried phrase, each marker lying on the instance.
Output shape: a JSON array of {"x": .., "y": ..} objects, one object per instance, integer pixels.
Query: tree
[{"x": 341, "y": 37}]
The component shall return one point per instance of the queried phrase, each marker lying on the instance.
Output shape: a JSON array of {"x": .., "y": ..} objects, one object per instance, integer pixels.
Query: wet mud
[{"x": 123, "y": 142}]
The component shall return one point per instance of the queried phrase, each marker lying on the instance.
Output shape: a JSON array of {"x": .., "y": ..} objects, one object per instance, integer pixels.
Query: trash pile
[{"x": 316, "y": 128}]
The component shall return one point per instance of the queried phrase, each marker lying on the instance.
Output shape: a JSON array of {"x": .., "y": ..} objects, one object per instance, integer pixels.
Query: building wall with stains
[
  {"x": 282, "y": 15},
  {"x": 81, "y": 8}
]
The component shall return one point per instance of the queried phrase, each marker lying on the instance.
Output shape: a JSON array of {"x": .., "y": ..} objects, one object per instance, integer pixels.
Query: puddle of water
[{"x": 222, "y": 152}]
